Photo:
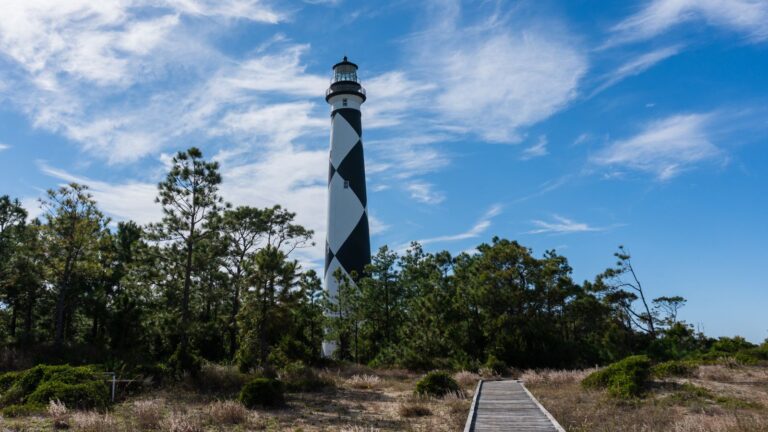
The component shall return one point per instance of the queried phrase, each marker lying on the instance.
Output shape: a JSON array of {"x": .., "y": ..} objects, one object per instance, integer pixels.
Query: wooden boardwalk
[{"x": 508, "y": 406}]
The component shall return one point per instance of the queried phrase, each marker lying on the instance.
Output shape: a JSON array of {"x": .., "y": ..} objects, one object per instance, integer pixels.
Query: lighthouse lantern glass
[{"x": 345, "y": 73}]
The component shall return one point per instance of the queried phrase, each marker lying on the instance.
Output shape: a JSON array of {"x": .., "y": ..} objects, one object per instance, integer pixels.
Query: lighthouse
[{"x": 348, "y": 245}]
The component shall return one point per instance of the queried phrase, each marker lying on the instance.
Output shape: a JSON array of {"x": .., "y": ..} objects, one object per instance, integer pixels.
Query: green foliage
[
  {"x": 674, "y": 368},
  {"x": 752, "y": 356},
  {"x": 731, "y": 345},
  {"x": 624, "y": 379},
  {"x": 11, "y": 411},
  {"x": 184, "y": 361},
  {"x": 261, "y": 392},
  {"x": 496, "y": 365},
  {"x": 78, "y": 387},
  {"x": 437, "y": 383},
  {"x": 87, "y": 395}
]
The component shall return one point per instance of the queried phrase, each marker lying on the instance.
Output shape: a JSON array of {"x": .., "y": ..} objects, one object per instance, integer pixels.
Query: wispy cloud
[
  {"x": 425, "y": 193},
  {"x": 131, "y": 200},
  {"x": 493, "y": 81},
  {"x": 636, "y": 66},
  {"x": 537, "y": 150},
  {"x": 664, "y": 147},
  {"x": 4, "y": 146},
  {"x": 562, "y": 225},
  {"x": 748, "y": 17},
  {"x": 475, "y": 231}
]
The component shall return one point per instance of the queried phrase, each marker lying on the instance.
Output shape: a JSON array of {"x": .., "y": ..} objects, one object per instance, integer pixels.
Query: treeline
[{"x": 217, "y": 283}]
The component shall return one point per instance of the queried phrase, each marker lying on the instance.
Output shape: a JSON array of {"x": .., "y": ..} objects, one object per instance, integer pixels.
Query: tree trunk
[
  {"x": 233, "y": 330},
  {"x": 185, "y": 297}
]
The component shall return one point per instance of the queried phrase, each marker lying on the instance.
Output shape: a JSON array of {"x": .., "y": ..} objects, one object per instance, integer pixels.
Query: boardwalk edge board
[
  {"x": 541, "y": 407},
  {"x": 473, "y": 407}
]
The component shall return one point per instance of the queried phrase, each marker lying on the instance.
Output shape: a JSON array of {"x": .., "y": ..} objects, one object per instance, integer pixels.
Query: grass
[
  {"x": 360, "y": 399},
  {"x": 710, "y": 398}
]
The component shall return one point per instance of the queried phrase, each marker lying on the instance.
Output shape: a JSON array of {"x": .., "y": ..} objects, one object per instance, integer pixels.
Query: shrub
[
  {"x": 437, "y": 383},
  {"x": 93, "y": 394},
  {"x": 6, "y": 380},
  {"x": 751, "y": 356},
  {"x": 364, "y": 381},
  {"x": 77, "y": 387},
  {"x": 21, "y": 410},
  {"x": 148, "y": 413},
  {"x": 299, "y": 377},
  {"x": 262, "y": 392},
  {"x": 227, "y": 412},
  {"x": 220, "y": 379},
  {"x": 184, "y": 361},
  {"x": 497, "y": 366},
  {"x": 624, "y": 379},
  {"x": 674, "y": 368}
]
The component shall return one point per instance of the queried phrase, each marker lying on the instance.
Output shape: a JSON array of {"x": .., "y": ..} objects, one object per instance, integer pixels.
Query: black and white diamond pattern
[{"x": 348, "y": 244}]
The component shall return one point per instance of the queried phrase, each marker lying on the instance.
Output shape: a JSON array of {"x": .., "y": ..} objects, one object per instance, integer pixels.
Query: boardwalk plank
[{"x": 508, "y": 406}]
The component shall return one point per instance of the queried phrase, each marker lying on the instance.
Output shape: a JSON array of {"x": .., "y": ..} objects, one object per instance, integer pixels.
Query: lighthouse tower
[{"x": 348, "y": 245}]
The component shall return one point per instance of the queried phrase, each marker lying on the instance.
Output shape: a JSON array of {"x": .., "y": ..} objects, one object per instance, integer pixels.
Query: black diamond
[
  {"x": 328, "y": 257},
  {"x": 355, "y": 253},
  {"x": 331, "y": 170},
  {"x": 352, "y": 168},
  {"x": 352, "y": 116}
]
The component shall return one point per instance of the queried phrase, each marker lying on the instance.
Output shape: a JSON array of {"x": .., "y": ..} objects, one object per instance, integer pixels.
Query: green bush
[
  {"x": 437, "y": 383},
  {"x": 496, "y": 365},
  {"x": 6, "y": 380},
  {"x": 751, "y": 356},
  {"x": 262, "y": 392},
  {"x": 624, "y": 379},
  {"x": 80, "y": 387},
  {"x": 91, "y": 394},
  {"x": 22, "y": 410},
  {"x": 674, "y": 368},
  {"x": 299, "y": 377},
  {"x": 184, "y": 361}
]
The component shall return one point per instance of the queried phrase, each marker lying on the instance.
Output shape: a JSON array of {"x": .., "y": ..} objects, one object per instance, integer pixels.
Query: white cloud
[
  {"x": 478, "y": 228},
  {"x": 637, "y": 65},
  {"x": 492, "y": 80},
  {"x": 561, "y": 225},
  {"x": 4, "y": 146},
  {"x": 749, "y": 17},
  {"x": 131, "y": 200},
  {"x": 424, "y": 192},
  {"x": 89, "y": 70},
  {"x": 537, "y": 150},
  {"x": 377, "y": 226},
  {"x": 664, "y": 147}
]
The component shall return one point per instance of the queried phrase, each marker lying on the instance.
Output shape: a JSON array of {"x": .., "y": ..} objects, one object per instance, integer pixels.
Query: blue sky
[{"x": 574, "y": 125}]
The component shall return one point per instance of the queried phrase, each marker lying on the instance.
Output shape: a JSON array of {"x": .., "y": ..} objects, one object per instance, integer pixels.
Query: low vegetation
[
  {"x": 624, "y": 379},
  {"x": 703, "y": 396},
  {"x": 437, "y": 383}
]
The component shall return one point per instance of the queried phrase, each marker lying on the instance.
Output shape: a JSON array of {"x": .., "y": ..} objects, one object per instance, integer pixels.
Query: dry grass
[
  {"x": 718, "y": 399},
  {"x": 413, "y": 409},
  {"x": 58, "y": 412},
  {"x": 466, "y": 378},
  {"x": 181, "y": 422},
  {"x": 227, "y": 412},
  {"x": 148, "y": 413},
  {"x": 364, "y": 381},
  {"x": 93, "y": 422},
  {"x": 549, "y": 376}
]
